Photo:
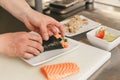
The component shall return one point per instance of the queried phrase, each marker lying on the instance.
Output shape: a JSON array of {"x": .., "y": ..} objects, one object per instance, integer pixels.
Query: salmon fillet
[{"x": 59, "y": 71}]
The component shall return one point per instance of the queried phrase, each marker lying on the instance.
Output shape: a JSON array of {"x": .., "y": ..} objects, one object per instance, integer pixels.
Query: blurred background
[{"x": 106, "y": 12}]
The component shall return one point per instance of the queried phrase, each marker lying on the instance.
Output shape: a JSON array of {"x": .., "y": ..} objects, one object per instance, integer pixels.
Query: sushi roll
[{"x": 55, "y": 42}]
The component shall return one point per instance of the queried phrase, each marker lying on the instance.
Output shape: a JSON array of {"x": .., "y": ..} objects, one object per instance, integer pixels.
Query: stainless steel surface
[{"x": 109, "y": 16}]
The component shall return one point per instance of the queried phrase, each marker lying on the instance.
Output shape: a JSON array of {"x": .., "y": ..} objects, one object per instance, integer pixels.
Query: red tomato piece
[{"x": 101, "y": 34}]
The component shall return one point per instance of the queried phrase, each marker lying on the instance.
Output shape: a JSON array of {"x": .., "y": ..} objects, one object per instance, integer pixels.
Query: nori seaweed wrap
[{"x": 53, "y": 43}]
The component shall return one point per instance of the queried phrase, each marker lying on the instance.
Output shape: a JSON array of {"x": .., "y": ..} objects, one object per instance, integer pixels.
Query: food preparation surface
[
  {"x": 88, "y": 58},
  {"x": 106, "y": 15}
]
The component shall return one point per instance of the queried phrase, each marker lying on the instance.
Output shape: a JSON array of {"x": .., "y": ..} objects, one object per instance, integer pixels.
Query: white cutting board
[{"x": 88, "y": 58}]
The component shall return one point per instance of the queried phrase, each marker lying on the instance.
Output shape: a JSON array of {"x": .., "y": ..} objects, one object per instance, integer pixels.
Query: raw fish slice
[{"x": 59, "y": 71}]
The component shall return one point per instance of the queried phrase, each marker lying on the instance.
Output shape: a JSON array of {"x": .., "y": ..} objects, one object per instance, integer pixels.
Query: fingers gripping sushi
[{"x": 55, "y": 42}]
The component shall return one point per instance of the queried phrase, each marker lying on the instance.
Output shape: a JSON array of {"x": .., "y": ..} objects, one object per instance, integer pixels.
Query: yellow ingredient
[{"x": 109, "y": 37}]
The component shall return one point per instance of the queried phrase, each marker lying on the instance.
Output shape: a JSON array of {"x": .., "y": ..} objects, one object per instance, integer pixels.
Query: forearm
[{"x": 18, "y": 8}]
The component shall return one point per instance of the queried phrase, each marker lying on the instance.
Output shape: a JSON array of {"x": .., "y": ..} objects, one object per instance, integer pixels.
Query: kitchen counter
[{"x": 109, "y": 17}]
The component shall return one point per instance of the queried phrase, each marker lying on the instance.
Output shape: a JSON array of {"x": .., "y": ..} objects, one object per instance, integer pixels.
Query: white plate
[
  {"x": 91, "y": 25},
  {"x": 49, "y": 55},
  {"x": 101, "y": 43}
]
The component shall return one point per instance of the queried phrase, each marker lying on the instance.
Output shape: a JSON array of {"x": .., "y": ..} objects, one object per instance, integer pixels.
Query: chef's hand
[
  {"x": 20, "y": 44},
  {"x": 43, "y": 24},
  {"x": 32, "y": 19}
]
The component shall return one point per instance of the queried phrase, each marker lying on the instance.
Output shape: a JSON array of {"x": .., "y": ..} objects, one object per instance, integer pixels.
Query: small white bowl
[{"x": 103, "y": 44}]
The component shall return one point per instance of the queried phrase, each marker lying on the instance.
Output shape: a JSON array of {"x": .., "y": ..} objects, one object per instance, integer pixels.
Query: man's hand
[
  {"x": 21, "y": 44},
  {"x": 34, "y": 20},
  {"x": 44, "y": 25}
]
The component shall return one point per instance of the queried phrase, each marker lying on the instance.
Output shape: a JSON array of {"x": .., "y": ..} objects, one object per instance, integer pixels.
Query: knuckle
[
  {"x": 33, "y": 50},
  {"x": 27, "y": 56},
  {"x": 41, "y": 48},
  {"x": 40, "y": 40},
  {"x": 38, "y": 47},
  {"x": 36, "y": 51}
]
